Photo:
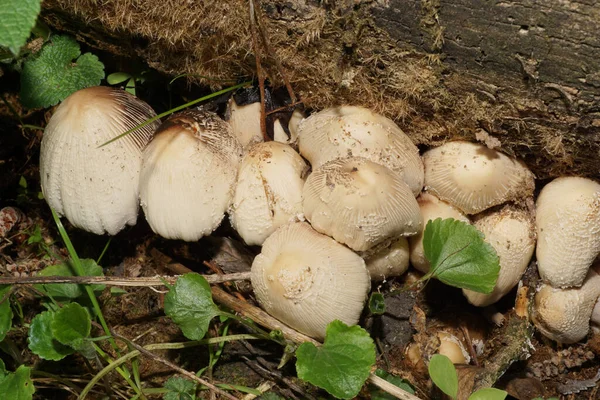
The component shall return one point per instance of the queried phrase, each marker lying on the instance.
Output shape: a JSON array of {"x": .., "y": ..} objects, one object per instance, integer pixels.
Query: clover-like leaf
[
  {"x": 41, "y": 340},
  {"x": 66, "y": 291},
  {"x": 190, "y": 305},
  {"x": 443, "y": 373},
  {"x": 488, "y": 394},
  {"x": 342, "y": 365},
  {"x": 459, "y": 256},
  {"x": 180, "y": 389},
  {"x": 17, "y": 385},
  {"x": 378, "y": 394},
  {"x": 57, "y": 71},
  {"x": 17, "y": 18},
  {"x": 71, "y": 325},
  {"x": 6, "y": 313}
]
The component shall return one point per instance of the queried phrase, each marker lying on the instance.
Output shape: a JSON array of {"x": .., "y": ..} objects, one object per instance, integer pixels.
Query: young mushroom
[
  {"x": 564, "y": 315},
  {"x": 473, "y": 178},
  {"x": 268, "y": 192},
  {"x": 360, "y": 203},
  {"x": 389, "y": 260},
  {"x": 188, "y": 175},
  {"x": 95, "y": 188},
  {"x": 511, "y": 233},
  {"x": 568, "y": 229},
  {"x": 307, "y": 280},
  {"x": 245, "y": 122},
  {"x": 431, "y": 208},
  {"x": 356, "y": 131}
]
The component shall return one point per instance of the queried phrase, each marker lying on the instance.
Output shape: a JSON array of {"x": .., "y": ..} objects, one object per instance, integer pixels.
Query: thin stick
[
  {"x": 264, "y": 319},
  {"x": 117, "y": 281},
  {"x": 259, "y": 71}
]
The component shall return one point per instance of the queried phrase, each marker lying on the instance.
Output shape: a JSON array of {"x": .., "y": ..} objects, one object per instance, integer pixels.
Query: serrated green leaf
[
  {"x": 189, "y": 304},
  {"x": 6, "y": 313},
  {"x": 71, "y": 325},
  {"x": 342, "y": 365},
  {"x": 180, "y": 389},
  {"x": 18, "y": 385},
  {"x": 117, "y": 77},
  {"x": 65, "y": 291},
  {"x": 377, "y": 304},
  {"x": 17, "y": 18},
  {"x": 378, "y": 394},
  {"x": 41, "y": 340},
  {"x": 459, "y": 256},
  {"x": 488, "y": 394},
  {"x": 443, "y": 373},
  {"x": 53, "y": 75}
]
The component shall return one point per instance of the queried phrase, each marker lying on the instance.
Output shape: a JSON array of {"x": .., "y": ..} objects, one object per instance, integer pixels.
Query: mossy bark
[{"x": 524, "y": 72}]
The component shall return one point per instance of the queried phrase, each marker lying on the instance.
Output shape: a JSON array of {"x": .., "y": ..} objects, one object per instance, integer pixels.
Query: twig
[
  {"x": 117, "y": 281},
  {"x": 259, "y": 71},
  {"x": 264, "y": 319}
]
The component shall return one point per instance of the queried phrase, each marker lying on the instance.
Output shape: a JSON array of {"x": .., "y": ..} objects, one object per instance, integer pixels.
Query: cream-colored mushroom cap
[
  {"x": 279, "y": 133},
  {"x": 511, "y": 232},
  {"x": 245, "y": 122},
  {"x": 564, "y": 315},
  {"x": 473, "y": 178},
  {"x": 431, "y": 208},
  {"x": 595, "y": 318},
  {"x": 188, "y": 175},
  {"x": 453, "y": 348},
  {"x": 95, "y": 188},
  {"x": 307, "y": 280},
  {"x": 268, "y": 192},
  {"x": 356, "y": 131},
  {"x": 360, "y": 203},
  {"x": 568, "y": 229},
  {"x": 389, "y": 260}
]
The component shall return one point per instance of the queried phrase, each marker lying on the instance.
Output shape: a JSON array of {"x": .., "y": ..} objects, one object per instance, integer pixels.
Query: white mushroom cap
[
  {"x": 359, "y": 203},
  {"x": 268, "y": 192},
  {"x": 307, "y": 280},
  {"x": 188, "y": 175},
  {"x": 473, "y": 178},
  {"x": 432, "y": 208},
  {"x": 453, "y": 348},
  {"x": 279, "y": 133},
  {"x": 511, "y": 233},
  {"x": 388, "y": 261},
  {"x": 356, "y": 131},
  {"x": 564, "y": 315},
  {"x": 568, "y": 229},
  {"x": 95, "y": 188},
  {"x": 245, "y": 122}
]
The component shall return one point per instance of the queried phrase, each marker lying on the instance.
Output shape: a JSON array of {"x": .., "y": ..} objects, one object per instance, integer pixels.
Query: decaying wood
[{"x": 523, "y": 73}]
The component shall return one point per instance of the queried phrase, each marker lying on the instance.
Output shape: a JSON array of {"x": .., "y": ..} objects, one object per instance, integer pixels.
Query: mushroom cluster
[{"x": 338, "y": 197}]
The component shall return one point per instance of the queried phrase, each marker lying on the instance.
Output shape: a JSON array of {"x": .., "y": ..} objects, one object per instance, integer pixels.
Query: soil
[{"x": 525, "y": 365}]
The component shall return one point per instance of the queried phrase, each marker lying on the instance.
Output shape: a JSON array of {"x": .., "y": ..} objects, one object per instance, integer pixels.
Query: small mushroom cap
[
  {"x": 453, "y": 348},
  {"x": 360, "y": 203},
  {"x": 268, "y": 192},
  {"x": 188, "y": 175},
  {"x": 431, "y": 208},
  {"x": 307, "y": 280},
  {"x": 389, "y": 261},
  {"x": 564, "y": 315},
  {"x": 511, "y": 233},
  {"x": 95, "y": 188},
  {"x": 245, "y": 122},
  {"x": 568, "y": 229},
  {"x": 356, "y": 131},
  {"x": 279, "y": 133},
  {"x": 473, "y": 178}
]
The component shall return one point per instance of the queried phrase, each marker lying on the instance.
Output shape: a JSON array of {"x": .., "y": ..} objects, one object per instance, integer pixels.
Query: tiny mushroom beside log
[{"x": 95, "y": 187}]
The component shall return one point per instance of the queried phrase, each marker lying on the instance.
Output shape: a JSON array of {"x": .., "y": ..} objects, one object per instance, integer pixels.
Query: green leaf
[
  {"x": 6, "y": 313},
  {"x": 117, "y": 77},
  {"x": 17, "y": 18},
  {"x": 488, "y": 394},
  {"x": 376, "y": 304},
  {"x": 342, "y": 365},
  {"x": 189, "y": 304},
  {"x": 378, "y": 394},
  {"x": 41, "y": 340},
  {"x": 53, "y": 75},
  {"x": 180, "y": 389},
  {"x": 62, "y": 291},
  {"x": 443, "y": 374},
  {"x": 459, "y": 256},
  {"x": 71, "y": 325},
  {"x": 3, "y": 371},
  {"x": 270, "y": 396},
  {"x": 17, "y": 385}
]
